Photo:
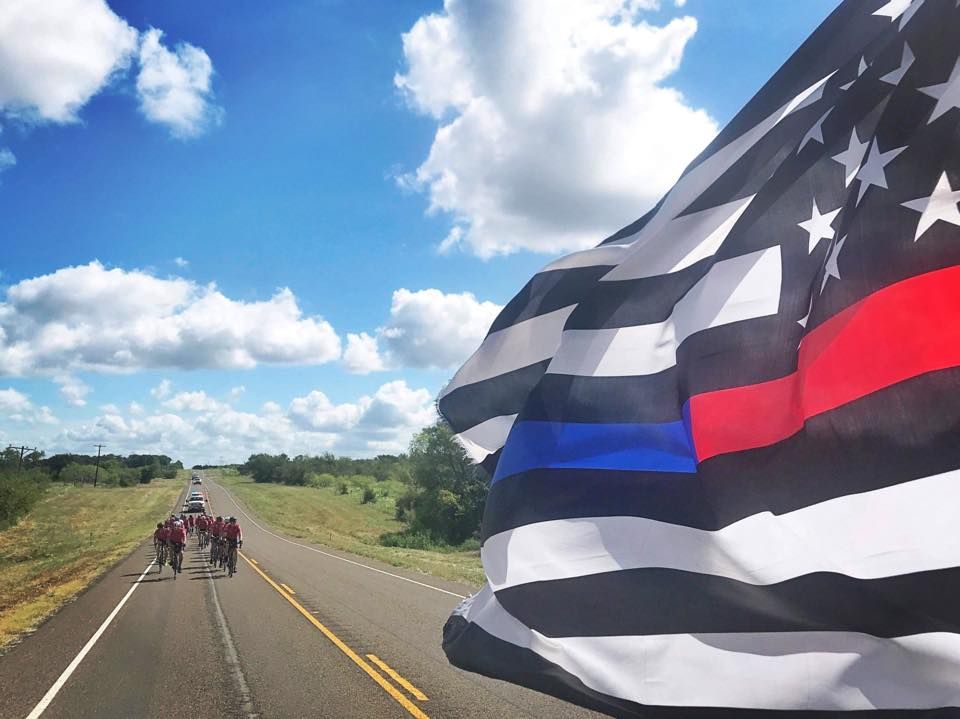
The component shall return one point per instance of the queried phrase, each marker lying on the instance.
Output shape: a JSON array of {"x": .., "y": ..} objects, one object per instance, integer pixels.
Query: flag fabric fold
[{"x": 725, "y": 443}]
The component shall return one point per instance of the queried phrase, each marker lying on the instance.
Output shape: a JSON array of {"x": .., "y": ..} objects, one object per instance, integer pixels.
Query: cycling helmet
[
  {"x": 231, "y": 520},
  {"x": 159, "y": 525},
  {"x": 219, "y": 518}
]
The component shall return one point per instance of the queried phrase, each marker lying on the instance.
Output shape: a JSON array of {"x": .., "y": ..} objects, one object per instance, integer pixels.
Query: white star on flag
[
  {"x": 815, "y": 132},
  {"x": 872, "y": 171},
  {"x": 831, "y": 269},
  {"x": 862, "y": 68},
  {"x": 906, "y": 60},
  {"x": 940, "y": 205},
  {"x": 852, "y": 157},
  {"x": 947, "y": 93},
  {"x": 904, "y": 9},
  {"x": 818, "y": 226}
]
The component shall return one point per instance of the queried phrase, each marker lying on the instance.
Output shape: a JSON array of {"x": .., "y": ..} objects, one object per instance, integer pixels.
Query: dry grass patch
[{"x": 69, "y": 539}]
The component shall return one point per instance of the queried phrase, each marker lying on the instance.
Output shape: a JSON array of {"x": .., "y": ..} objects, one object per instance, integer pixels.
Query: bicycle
[
  {"x": 232, "y": 559},
  {"x": 161, "y": 549},
  {"x": 202, "y": 538},
  {"x": 214, "y": 550},
  {"x": 176, "y": 559}
]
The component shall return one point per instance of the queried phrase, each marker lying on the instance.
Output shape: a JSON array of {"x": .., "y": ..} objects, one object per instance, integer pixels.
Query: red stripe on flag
[{"x": 899, "y": 332}]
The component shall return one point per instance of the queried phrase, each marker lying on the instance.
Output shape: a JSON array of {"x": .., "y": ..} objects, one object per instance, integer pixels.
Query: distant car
[
  {"x": 197, "y": 480},
  {"x": 195, "y": 505},
  {"x": 195, "y": 496}
]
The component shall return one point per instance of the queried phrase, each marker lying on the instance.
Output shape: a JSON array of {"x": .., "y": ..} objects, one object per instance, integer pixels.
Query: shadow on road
[{"x": 156, "y": 579}]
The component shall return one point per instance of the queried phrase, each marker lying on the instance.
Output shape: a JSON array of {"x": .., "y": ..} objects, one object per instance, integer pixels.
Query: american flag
[{"x": 725, "y": 442}]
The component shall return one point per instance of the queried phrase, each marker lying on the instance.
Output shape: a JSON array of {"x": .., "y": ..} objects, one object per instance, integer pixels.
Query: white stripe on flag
[
  {"x": 740, "y": 288},
  {"x": 824, "y": 671},
  {"x": 886, "y": 532},
  {"x": 511, "y": 348},
  {"x": 682, "y": 242},
  {"x": 487, "y": 437}
]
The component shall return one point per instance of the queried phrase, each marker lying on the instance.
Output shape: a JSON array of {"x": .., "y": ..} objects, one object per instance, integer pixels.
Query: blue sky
[{"x": 280, "y": 149}]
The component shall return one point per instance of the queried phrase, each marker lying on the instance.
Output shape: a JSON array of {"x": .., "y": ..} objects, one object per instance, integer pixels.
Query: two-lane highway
[{"x": 300, "y": 631}]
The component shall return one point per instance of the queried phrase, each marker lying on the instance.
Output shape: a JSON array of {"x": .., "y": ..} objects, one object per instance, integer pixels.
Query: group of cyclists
[{"x": 223, "y": 536}]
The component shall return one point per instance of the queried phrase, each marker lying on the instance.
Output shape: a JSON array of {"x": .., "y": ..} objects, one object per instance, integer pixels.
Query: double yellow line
[{"x": 389, "y": 688}]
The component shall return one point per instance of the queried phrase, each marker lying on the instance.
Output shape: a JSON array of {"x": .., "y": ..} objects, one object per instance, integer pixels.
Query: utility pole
[
  {"x": 96, "y": 473},
  {"x": 21, "y": 450}
]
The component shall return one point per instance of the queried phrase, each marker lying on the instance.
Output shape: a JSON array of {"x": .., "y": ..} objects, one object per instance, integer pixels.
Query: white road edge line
[
  {"x": 333, "y": 556},
  {"x": 58, "y": 685}
]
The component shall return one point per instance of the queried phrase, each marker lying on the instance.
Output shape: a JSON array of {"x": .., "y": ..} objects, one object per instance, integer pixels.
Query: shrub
[
  {"x": 320, "y": 481},
  {"x": 368, "y": 496},
  {"x": 18, "y": 493},
  {"x": 343, "y": 488},
  {"x": 407, "y": 540}
]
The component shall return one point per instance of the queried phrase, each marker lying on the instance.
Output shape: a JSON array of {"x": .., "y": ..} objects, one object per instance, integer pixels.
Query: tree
[{"x": 448, "y": 490}]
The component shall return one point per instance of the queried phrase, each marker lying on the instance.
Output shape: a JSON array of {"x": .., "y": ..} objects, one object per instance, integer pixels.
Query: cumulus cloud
[
  {"x": 93, "y": 318},
  {"x": 7, "y": 159},
  {"x": 180, "y": 262},
  {"x": 175, "y": 86},
  {"x": 198, "y": 401},
  {"x": 17, "y": 407},
  {"x": 161, "y": 390},
  {"x": 427, "y": 328},
  {"x": 554, "y": 125},
  {"x": 73, "y": 390},
  {"x": 57, "y": 54},
  {"x": 382, "y": 422},
  {"x": 362, "y": 355}
]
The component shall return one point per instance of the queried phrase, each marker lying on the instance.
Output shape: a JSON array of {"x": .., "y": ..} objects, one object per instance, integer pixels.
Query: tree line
[
  {"x": 23, "y": 480},
  {"x": 444, "y": 492}
]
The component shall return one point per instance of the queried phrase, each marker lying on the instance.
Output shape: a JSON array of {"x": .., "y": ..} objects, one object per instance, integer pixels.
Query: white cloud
[
  {"x": 236, "y": 393},
  {"x": 174, "y": 86},
  {"x": 98, "y": 319},
  {"x": 161, "y": 390},
  {"x": 56, "y": 54},
  {"x": 180, "y": 262},
  {"x": 7, "y": 159},
  {"x": 73, "y": 390},
  {"x": 382, "y": 422},
  {"x": 362, "y": 355},
  {"x": 198, "y": 401},
  {"x": 110, "y": 408},
  {"x": 136, "y": 408},
  {"x": 554, "y": 127},
  {"x": 17, "y": 407},
  {"x": 427, "y": 328},
  {"x": 388, "y": 418}
]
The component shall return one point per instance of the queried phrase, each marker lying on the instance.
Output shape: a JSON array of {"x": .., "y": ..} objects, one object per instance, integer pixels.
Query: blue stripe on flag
[{"x": 663, "y": 447}]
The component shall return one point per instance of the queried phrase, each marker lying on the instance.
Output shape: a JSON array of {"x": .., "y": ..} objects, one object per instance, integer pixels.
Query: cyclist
[
  {"x": 202, "y": 530},
  {"x": 160, "y": 535},
  {"x": 191, "y": 521},
  {"x": 234, "y": 536},
  {"x": 178, "y": 538},
  {"x": 215, "y": 531}
]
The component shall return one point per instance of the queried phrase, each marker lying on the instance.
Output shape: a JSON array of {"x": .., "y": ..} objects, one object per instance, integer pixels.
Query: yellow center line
[
  {"x": 287, "y": 588},
  {"x": 251, "y": 560},
  {"x": 392, "y": 673},
  {"x": 338, "y": 643}
]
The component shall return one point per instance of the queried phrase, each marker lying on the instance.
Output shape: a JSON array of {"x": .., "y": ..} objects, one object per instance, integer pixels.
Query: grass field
[
  {"x": 325, "y": 516},
  {"x": 63, "y": 544}
]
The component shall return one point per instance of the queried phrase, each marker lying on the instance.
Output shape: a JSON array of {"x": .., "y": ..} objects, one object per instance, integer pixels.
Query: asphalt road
[{"x": 300, "y": 631}]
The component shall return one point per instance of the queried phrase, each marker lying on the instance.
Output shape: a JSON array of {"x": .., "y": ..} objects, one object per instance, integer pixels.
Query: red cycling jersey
[
  {"x": 160, "y": 535},
  {"x": 232, "y": 531},
  {"x": 178, "y": 534},
  {"x": 202, "y": 523},
  {"x": 216, "y": 529}
]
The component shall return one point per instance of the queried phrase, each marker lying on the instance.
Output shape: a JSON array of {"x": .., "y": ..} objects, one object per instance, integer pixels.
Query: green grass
[
  {"x": 325, "y": 516},
  {"x": 64, "y": 543}
]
